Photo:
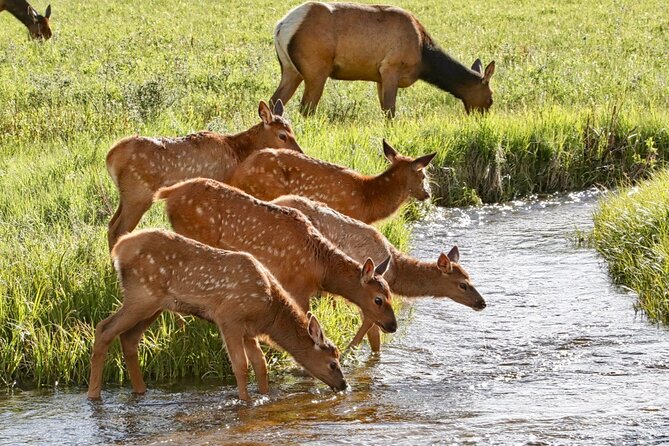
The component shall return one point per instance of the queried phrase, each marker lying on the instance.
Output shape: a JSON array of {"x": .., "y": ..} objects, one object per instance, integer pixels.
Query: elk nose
[
  {"x": 391, "y": 327},
  {"x": 481, "y": 305}
]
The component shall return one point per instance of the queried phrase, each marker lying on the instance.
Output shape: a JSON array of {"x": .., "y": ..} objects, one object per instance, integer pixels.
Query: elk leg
[
  {"x": 258, "y": 363},
  {"x": 290, "y": 80},
  {"x": 374, "y": 338},
  {"x": 116, "y": 214},
  {"x": 129, "y": 342},
  {"x": 240, "y": 365},
  {"x": 313, "y": 90},
  {"x": 389, "y": 84},
  {"x": 129, "y": 217},
  {"x": 364, "y": 328},
  {"x": 105, "y": 332}
]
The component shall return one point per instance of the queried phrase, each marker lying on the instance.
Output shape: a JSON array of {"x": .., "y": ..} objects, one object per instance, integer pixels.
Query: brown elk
[
  {"x": 37, "y": 24},
  {"x": 406, "y": 276},
  {"x": 302, "y": 260},
  {"x": 139, "y": 166},
  {"x": 162, "y": 271},
  {"x": 378, "y": 43},
  {"x": 268, "y": 174}
]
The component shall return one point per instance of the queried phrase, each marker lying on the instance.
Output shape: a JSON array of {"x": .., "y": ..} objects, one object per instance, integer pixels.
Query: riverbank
[
  {"x": 579, "y": 107},
  {"x": 632, "y": 233}
]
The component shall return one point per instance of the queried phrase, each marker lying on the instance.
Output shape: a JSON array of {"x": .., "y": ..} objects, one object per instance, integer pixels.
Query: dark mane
[{"x": 443, "y": 71}]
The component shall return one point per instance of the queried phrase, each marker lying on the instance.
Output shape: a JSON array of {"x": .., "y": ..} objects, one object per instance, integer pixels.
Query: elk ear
[
  {"x": 315, "y": 331},
  {"x": 33, "y": 14},
  {"x": 47, "y": 14},
  {"x": 423, "y": 161},
  {"x": 454, "y": 254},
  {"x": 489, "y": 71},
  {"x": 382, "y": 267},
  {"x": 389, "y": 151},
  {"x": 478, "y": 66},
  {"x": 444, "y": 263},
  {"x": 265, "y": 113},
  {"x": 367, "y": 273},
  {"x": 278, "y": 108}
]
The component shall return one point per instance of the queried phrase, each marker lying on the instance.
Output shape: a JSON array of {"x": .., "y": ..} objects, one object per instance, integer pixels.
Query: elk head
[
  {"x": 276, "y": 132},
  {"x": 375, "y": 301},
  {"x": 412, "y": 171},
  {"x": 478, "y": 98},
  {"x": 323, "y": 361},
  {"x": 39, "y": 27},
  {"x": 455, "y": 283}
]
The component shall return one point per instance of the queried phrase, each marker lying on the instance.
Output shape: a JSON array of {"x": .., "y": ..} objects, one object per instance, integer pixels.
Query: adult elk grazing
[
  {"x": 37, "y": 24},
  {"x": 139, "y": 166},
  {"x": 268, "y": 174},
  {"x": 406, "y": 276},
  {"x": 301, "y": 259},
  {"x": 159, "y": 271},
  {"x": 378, "y": 43}
]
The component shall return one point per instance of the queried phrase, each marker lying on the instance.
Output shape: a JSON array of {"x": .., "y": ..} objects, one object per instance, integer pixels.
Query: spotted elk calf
[
  {"x": 139, "y": 166},
  {"x": 162, "y": 271},
  {"x": 268, "y": 174},
  {"x": 37, "y": 24},
  {"x": 406, "y": 276},
  {"x": 301, "y": 259},
  {"x": 379, "y": 43}
]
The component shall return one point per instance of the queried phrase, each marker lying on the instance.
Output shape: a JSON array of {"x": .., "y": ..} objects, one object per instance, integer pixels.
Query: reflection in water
[{"x": 558, "y": 357}]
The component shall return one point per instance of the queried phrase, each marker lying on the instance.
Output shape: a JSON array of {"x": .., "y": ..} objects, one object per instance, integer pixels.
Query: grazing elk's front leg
[
  {"x": 313, "y": 90},
  {"x": 257, "y": 358},
  {"x": 234, "y": 343},
  {"x": 389, "y": 84},
  {"x": 290, "y": 80},
  {"x": 129, "y": 343}
]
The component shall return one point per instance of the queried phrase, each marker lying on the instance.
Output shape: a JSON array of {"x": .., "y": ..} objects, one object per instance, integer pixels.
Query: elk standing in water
[
  {"x": 37, "y": 24},
  {"x": 302, "y": 260},
  {"x": 382, "y": 44},
  {"x": 406, "y": 276},
  {"x": 139, "y": 166},
  {"x": 268, "y": 174},
  {"x": 160, "y": 271}
]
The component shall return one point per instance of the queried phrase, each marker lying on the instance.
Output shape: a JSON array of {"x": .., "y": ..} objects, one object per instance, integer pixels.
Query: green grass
[
  {"x": 632, "y": 233},
  {"x": 580, "y": 99}
]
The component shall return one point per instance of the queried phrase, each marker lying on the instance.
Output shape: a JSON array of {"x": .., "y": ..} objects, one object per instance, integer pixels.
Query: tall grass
[
  {"x": 632, "y": 233},
  {"x": 580, "y": 99}
]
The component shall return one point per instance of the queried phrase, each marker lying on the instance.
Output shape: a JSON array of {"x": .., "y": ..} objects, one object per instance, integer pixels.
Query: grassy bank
[
  {"x": 579, "y": 99},
  {"x": 632, "y": 233}
]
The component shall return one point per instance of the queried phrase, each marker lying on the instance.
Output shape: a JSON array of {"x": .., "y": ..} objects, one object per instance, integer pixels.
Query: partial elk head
[
  {"x": 455, "y": 281},
  {"x": 39, "y": 28},
  {"x": 478, "y": 98},
  {"x": 276, "y": 131},
  {"x": 413, "y": 171},
  {"x": 375, "y": 302},
  {"x": 323, "y": 361}
]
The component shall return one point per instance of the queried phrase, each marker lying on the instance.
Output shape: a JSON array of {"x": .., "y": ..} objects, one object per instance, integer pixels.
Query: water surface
[{"x": 558, "y": 357}]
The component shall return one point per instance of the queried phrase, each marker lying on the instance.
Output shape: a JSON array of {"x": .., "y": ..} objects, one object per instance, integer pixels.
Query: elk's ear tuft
[
  {"x": 315, "y": 331},
  {"x": 265, "y": 113},
  {"x": 478, "y": 66},
  {"x": 47, "y": 14},
  {"x": 489, "y": 71},
  {"x": 389, "y": 151},
  {"x": 423, "y": 161},
  {"x": 383, "y": 267},
  {"x": 278, "y": 108},
  {"x": 444, "y": 263},
  {"x": 367, "y": 272},
  {"x": 454, "y": 254}
]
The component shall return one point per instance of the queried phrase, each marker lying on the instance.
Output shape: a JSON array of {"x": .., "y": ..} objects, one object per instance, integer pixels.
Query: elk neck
[
  {"x": 246, "y": 142},
  {"x": 286, "y": 325},
  {"x": 21, "y": 10},
  {"x": 409, "y": 277},
  {"x": 383, "y": 194},
  {"x": 342, "y": 276},
  {"x": 444, "y": 72}
]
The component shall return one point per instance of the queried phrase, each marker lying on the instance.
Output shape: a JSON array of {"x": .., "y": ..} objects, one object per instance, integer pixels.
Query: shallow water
[{"x": 558, "y": 357}]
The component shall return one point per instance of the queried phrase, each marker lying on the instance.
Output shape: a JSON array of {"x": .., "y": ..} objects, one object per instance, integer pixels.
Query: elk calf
[
  {"x": 139, "y": 166},
  {"x": 160, "y": 271},
  {"x": 406, "y": 276},
  {"x": 300, "y": 258},
  {"x": 268, "y": 174}
]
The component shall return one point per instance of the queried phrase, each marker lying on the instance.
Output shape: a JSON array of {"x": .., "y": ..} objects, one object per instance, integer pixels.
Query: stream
[{"x": 559, "y": 356}]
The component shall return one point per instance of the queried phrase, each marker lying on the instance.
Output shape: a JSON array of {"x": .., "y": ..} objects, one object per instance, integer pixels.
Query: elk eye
[
  {"x": 283, "y": 137},
  {"x": 378, "y": 301},
  {"x": 463, "y": 286},
  {"x": 333, "y": 365}
]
